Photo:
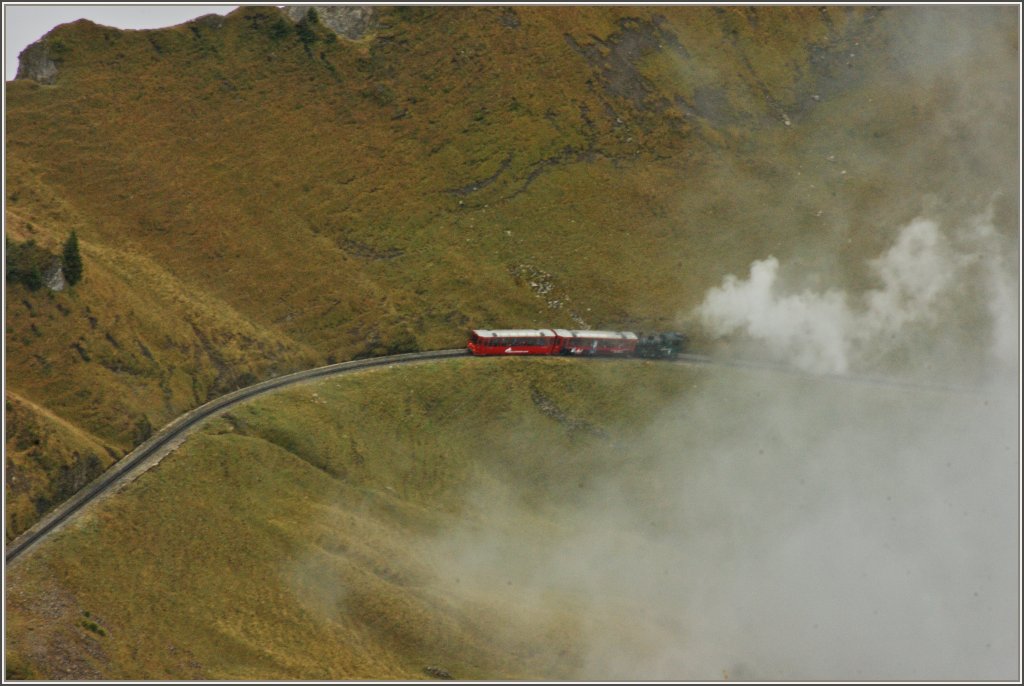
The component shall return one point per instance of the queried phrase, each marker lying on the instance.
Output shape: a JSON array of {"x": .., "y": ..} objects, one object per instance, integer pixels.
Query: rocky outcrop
[
  {"x": 348, "y": 21},
  {"x": 36, "y": 63},
  {"x": 209, "y": 21},
  {"x": 54, "y": 276}
]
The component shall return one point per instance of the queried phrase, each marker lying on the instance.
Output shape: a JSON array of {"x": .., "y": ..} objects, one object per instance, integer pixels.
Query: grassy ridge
[
  {"x": 250, "y": 200},
  {"x": 48, "y": 459},
  {"x": 292, "y": 538}
]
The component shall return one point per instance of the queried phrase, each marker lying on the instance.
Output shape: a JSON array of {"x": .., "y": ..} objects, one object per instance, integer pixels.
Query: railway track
[{"x": 150, "y": 452}]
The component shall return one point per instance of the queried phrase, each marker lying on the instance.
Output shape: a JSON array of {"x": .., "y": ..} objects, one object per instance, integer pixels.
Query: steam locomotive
[{"x": 666, "y": 345}]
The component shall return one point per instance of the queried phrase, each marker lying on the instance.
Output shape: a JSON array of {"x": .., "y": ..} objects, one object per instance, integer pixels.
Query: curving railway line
[{"x": 150, "y": 452}]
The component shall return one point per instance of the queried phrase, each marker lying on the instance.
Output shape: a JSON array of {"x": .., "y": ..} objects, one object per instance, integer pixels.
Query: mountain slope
[
  {"x": 254, "y": 195},
  {"x": 548, "y": 519},
  {"x": 329, "y": 503}
]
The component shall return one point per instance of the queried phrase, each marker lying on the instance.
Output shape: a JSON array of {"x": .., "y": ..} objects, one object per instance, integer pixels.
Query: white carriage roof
[
  {"x": 514, "y": 333},
  {"x": 613, "y": 335}
]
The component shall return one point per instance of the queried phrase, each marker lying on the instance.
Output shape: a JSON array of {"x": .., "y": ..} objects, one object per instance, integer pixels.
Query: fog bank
[{"x": 779, "y": 527}]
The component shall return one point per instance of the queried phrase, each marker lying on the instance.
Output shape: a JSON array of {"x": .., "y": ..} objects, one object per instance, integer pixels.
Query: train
[{"x": 665, "y": 345}]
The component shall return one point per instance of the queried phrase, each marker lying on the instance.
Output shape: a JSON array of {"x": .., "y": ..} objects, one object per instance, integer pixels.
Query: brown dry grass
[
  {"x": 247, "y": 208},
  {"x": 292, "y": 539}
]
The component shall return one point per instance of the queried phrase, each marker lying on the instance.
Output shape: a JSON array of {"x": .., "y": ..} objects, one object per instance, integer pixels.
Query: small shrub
[
  {"x": 56, "y": 48},
  {"x": 26, "y": 263},
  {"x": 401, "y": 341},
  {"x": 307, "y": 34},
  {"x": 380, "y": 94},
  {"x": 143, "y": 429},
  {"x": 280, "y": 29},
  {"x": 94, "y": 627}
]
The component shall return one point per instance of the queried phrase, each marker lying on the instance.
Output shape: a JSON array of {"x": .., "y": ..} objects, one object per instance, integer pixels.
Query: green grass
[
  {"x": 293, "y": 538},
  {"x": 248, "y": 207},
  {"x": 371, "y": 526}
]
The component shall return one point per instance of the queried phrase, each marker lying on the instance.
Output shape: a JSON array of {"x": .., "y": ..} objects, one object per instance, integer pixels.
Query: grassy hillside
[
  {"x": 547, "y": 519},
  {"x": 300, "y": 536},
  {"x": 251, "y": 198}
]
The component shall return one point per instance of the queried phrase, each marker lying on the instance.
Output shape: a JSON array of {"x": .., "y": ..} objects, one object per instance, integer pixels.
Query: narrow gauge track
[
  {"x": 179, "y": 427},
  {"x": 145, "y": 454}
]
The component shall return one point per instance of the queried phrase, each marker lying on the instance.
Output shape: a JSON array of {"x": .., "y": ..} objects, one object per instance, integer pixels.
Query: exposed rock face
[
  {"x": 209, "y": 21},
  {"x": 35, "y": 63},
  {"x": 348, "y": 21},
  {"x": 54, "y": 277}
]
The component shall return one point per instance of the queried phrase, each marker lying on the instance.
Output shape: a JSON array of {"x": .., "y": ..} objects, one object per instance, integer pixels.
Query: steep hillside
[
  {"x": 549, "y": 519},
  {"x": 254, "y": 195},
  {"x": 329, "y": 504}
]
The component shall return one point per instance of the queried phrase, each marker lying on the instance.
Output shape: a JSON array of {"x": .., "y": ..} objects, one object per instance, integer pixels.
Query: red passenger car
[
  {"x": 596, "y": 342},
  {"x": 551, "y": 342},
  {"x": 513, "y": 342}
]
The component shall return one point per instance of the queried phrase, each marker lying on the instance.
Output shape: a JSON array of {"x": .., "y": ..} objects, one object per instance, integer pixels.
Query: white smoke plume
[
  {"x": 773, "y": 527},
  {"x": 922, "y": 278}
]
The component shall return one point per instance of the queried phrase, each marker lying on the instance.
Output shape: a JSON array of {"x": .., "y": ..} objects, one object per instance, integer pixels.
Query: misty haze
[{"x": 775, "y": 527}]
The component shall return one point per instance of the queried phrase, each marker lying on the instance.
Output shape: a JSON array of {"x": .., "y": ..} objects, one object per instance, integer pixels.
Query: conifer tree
[
  {"x": 305, "y": 28},
  {"x": 72, "y": 260}
]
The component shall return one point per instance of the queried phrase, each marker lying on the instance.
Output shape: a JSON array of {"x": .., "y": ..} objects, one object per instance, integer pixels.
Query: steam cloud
[
  {"x": 832, "y": 332},
  {"x": 789, "y": 528}
]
